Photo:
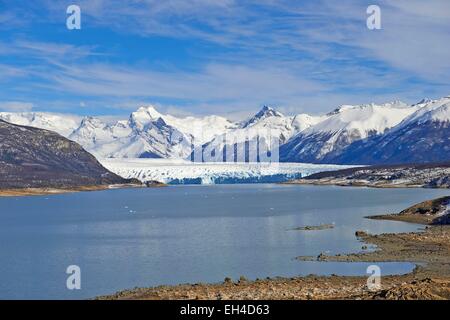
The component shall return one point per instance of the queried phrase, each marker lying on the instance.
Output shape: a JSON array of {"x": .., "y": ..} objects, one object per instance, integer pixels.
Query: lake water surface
[{"x": 146, "y": 237}]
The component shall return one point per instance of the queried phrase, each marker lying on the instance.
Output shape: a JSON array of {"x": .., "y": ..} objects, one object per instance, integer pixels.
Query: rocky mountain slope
[{"x": 37, "y": 158}]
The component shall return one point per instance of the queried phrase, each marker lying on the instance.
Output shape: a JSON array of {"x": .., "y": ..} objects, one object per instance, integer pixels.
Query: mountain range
[{"x": 388, "y": 133}]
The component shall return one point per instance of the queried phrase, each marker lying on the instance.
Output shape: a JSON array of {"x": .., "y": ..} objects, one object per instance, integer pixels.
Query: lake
[{"x": 186, "y": 234}]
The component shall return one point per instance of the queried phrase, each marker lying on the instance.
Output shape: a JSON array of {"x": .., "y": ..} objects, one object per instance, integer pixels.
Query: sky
[{"x": 225, "y": 57}]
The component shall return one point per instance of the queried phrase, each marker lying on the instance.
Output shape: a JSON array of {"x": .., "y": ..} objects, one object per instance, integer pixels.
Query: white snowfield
[{"x": 185, "y": 172}]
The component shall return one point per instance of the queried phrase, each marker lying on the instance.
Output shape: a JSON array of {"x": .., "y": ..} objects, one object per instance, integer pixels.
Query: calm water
[{"x": 145, "y": 237}]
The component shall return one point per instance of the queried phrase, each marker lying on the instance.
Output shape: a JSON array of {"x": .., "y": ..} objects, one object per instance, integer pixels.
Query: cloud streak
[
  {"x": 16, "y": 106},
  {"x": 304, "y": 56},
  {"x": 414, "y": 36}
]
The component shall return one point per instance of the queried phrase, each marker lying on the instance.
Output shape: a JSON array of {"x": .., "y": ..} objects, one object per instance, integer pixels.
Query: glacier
[{"x": 178, "y": 171}]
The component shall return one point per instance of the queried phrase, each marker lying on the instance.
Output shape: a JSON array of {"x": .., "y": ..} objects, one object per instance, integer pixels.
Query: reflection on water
[{"x": 145, "y": 237}]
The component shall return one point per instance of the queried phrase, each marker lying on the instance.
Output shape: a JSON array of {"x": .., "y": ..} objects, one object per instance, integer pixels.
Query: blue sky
[{"x": 225, "y": 57}]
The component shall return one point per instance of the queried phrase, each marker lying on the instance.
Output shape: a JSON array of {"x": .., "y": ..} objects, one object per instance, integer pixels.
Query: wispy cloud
[
  {"x": 46, "y": 50},
  {"x": 414, "y": 35},
  {"x": 304, "y": 56},
  {"x": 15, "y": 106}
]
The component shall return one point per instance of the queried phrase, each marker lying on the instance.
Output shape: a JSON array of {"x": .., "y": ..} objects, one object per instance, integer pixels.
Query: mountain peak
[
  {"x": 340, "y": 109},
  {"x": 264, "y": 113},
  {"x": 149, "y": 111},
  {"x": 91, "y": 122},
  {"x": 142, "y": 116},
  {"x": 269, "y": 111}
]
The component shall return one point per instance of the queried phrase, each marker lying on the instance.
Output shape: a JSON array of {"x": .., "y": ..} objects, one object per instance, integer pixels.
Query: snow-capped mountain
[
  {"x": 265, "y": 131},
  {"x": 93, "y": 132},
  {"x": 202, "y": 129},
  {"x": 265, "y": 113},
  {"x": 60, "y": 123},
  {"x": 151, "y": 137},
  {"x": 424, "y": 136},
  {"x": 362, "y": 134},
  {"x": 327, "y": 139},
  {"x": 281, "y": 127},
  {"x": 146, "y": 134}
]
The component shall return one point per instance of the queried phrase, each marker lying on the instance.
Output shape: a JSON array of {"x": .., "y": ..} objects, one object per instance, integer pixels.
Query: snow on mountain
[
  {"x": 267, "y": 122},
  {"x": 360, "y": 134},
  {"x": 264, "y": 131},
  {"x": 363, "y": 120},
  {"x": 100, "y": 138},
  {"x": 430, "y": 110},
  {"x": 281, "y": 126},
  {"x": 265, "y": 113},
  {"x": 145, "y": 135},
  {"x": 62, "y": 124},
  {"x": 423, "y": 136},
  {"x": 303, "y": 121},
  {"x": 93, "y": 132},
  {"x": 346, "y": 124},
  {"x": 149, "y": 133},
  {"x": 202, "y": 128}
]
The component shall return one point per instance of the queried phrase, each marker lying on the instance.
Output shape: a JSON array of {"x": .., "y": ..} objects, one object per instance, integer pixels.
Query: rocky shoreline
[
  {"x": 431, "y": 175},
  {"x": 53, "y": 191},
  {"x": 429, "y": 248}
]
